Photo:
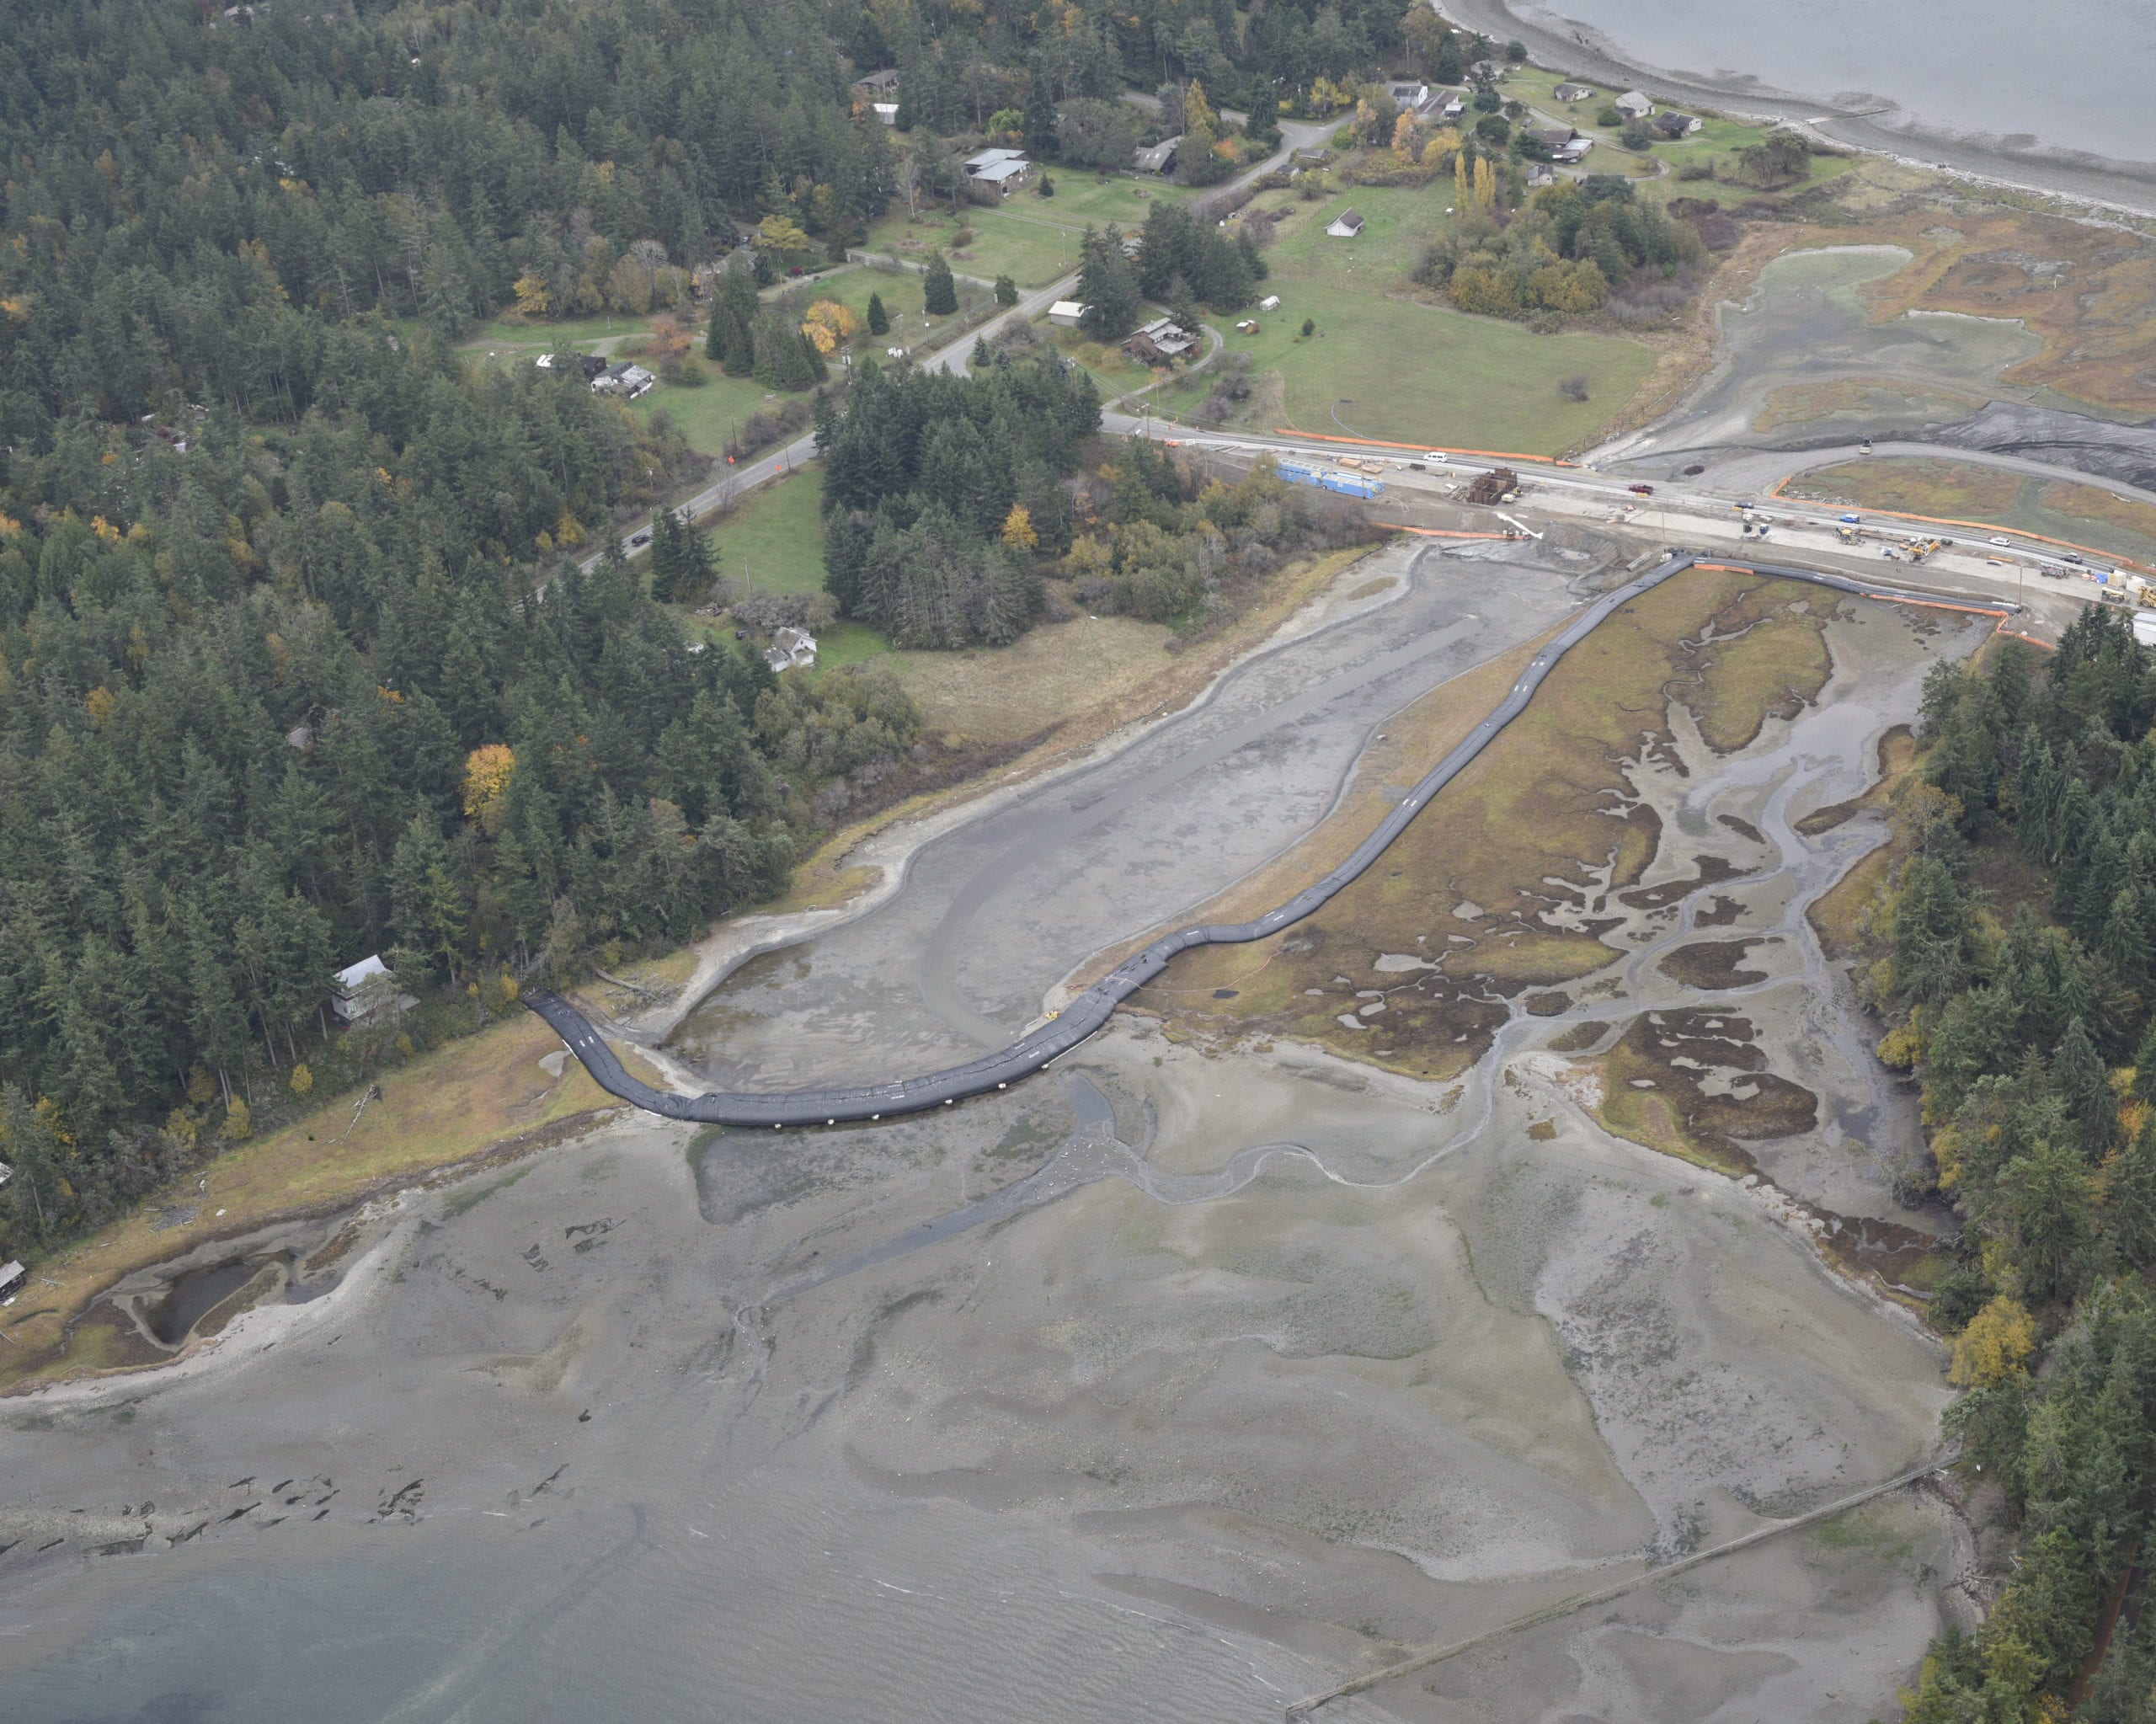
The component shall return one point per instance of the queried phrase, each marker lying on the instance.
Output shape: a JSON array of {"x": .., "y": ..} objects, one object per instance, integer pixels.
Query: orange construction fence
[{"x": 1929, "y": 604}]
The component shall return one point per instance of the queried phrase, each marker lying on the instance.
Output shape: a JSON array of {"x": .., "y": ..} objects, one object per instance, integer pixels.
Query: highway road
[{"x": 1047, "y": 1040}]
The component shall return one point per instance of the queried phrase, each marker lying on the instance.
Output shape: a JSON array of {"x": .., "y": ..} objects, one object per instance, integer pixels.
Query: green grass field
[
  {"x": 1402, "y": 370},
  {"x": 1030, "y": 238},
  {"x": 773, "y": 542},
  {"x": 1715, "y": 145}
]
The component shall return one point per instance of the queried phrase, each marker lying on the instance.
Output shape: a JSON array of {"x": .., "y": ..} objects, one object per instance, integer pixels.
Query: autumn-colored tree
[
  {"x": 1994, "y": 1348},
  {"x": 783, "y": 235},
  {"x": 532, "y": 299},
  {"x": 827, "y": 324},
  {"x": 302, "y": 1080},
  {"x": 487, "y": 772},
  {"x": 1486, "y": 185},
  {"x": 1018, "y": 529},
  {"x": 239, "y": 1122},
  {"x": 1404, "y": 149}
]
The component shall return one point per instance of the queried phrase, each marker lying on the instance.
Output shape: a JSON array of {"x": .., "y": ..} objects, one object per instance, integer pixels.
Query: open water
[{"x": 2069, "y": 75}]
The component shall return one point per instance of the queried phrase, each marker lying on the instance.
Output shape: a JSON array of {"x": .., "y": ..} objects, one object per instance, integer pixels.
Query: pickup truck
[{"x": 1640, "y": 490}]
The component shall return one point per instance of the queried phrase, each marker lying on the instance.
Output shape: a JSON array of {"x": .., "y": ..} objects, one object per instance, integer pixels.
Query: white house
[
  {"x": 791, "y": 650},
  {"x": 1347, "y": 225},
  {"x": 1573, "y": 91},
  {"x": 1633, "y": 105},
  {"x": 364, "y": 989},
  {"x": 1065, "y": 313}
]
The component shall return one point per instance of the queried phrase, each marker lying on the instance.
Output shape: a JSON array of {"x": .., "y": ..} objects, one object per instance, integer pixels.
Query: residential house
[
  {"x": 624, "y": 380},
  {"x": 1347, "y": 225},
  {"x": 1552, "y": 138},
  {"x": 1673, "y": 125},
  {"x": 999, "y": 170},
  {"x": 1417, "y": 101},
  {"x": 1312, "y": 156},
  {"x": 879, "y": 86},
  {"x": 791, "y": 650},
  {"x": 586, "y": 366},
  {"x": 13, "y": 1279},
  {"x": 1633, "y": 105},
  {"x": 1577, "y": 149},
  {"x": 363, "y": 990},
  {"x": 1540, "y": 174},
  {"x": 1159, "y": 159},
  {"x": 1159, "y": 342},
  {"x": 1447, "y": 105},
  {"x": 1065, "y": 313},
  {"x": 1573, "y": 91}
]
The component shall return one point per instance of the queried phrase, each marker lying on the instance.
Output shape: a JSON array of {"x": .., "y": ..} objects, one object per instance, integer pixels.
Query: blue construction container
[
  {"x": 1353, "y": 485},
  {"x": 1296, "y": 474}
]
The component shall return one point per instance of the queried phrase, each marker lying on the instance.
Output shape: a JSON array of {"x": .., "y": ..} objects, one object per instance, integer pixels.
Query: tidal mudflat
[{"x": 1177, "y": 1383}]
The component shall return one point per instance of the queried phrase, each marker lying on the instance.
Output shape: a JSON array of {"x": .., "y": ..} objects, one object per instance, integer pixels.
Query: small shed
[
  {"x": 1159, "y": 159},
  {"x": 1066, "y": 314},
  {"x": 1573, "y": 91},
  {"x": 13, "y": 1277},
  {"x": 1347, "y": 225},
  {"x": 1271, "y": 303},
  {"x": 1633, "y": 105},
  {"x": 888, "y": 112}
]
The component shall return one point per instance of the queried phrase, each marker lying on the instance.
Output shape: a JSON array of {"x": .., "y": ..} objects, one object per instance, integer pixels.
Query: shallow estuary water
[{"x": 1172, "y": 1386}]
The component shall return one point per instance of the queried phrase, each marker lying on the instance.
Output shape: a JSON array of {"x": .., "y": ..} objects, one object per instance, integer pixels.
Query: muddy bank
[{"x": 1202, "y": 1372}]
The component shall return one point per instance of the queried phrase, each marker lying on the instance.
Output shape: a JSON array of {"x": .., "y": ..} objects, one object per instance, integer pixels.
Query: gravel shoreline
[{"x": 1558, "y": 44}]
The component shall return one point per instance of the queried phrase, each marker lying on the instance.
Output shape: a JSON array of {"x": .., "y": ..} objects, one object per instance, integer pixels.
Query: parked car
[
  {"x": 1996, "y": 540},
  {"x": 1640, "y": 490},
  {"x": 639, "y": 538}
]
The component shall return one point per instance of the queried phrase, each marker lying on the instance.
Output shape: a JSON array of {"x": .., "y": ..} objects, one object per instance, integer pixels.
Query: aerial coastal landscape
[{"x": 936, "y": 861}]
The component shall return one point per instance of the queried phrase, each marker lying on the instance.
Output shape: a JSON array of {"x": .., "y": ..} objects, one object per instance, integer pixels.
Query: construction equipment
[
  {"x": 1848, "y": 535},
  {"x": 1923, "y": 548},
  {"x": 1500, "y": 484}
]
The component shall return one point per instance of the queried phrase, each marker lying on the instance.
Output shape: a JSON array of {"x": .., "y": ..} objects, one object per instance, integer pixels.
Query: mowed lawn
[
  {"x": 773, "y": 542},
  {"x": 1396, "y": 368},
  {"x": 1030, "y": 238}
]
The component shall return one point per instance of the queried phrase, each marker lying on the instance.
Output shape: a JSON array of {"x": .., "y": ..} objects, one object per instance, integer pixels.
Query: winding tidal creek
[{"x": 1174, "y": 1384}]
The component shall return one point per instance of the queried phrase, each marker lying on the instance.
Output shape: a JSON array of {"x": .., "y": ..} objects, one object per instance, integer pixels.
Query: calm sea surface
[{"x": 2068, "y": 74}]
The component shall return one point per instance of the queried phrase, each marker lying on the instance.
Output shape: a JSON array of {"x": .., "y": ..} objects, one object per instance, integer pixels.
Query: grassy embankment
[
  {"x": 445, "y": 1108},
  {"x": 1396, "y": 367},
  {"x": 1948, "y": 489},
  {"x": 1533, "y": 805},
  {"x": 1030, "y": 238}
]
